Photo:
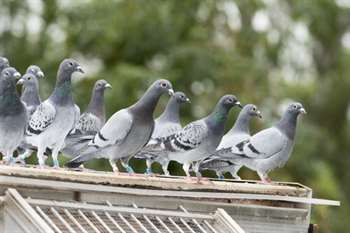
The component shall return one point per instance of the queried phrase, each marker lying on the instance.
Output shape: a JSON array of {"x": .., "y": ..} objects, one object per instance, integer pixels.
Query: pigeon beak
[
  {"x": 259, "y": 114},
  {"x": 41, "y": 74},
  {"x": 239, "y": 104},
  {"x": 171, "y": 92},
  {"x": 108, "y": 86},
  {"x": 188, "y": 100},
  {"x": 17, "y": 75},
  {"x": 302, "y": 111},
  {"x": 20, "y": 81},
  {"x": 79, "y": 69}
]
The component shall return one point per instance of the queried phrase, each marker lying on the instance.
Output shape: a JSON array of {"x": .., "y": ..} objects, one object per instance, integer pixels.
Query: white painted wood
[
  {"x": 54, "y": 211},
  {"x": 47, "y": 219},
  {"x": 225, "y": 220},
  {"x": 101, "y": 222},
  {"x": 88, "y": 221},
  {"x": 71, "y": 217},
  {"x": 127, "y": 223},
  {"x": 114, "y": 222},
  {"x": 25, "y": 182},
  {"x": 22, "y": 210}
]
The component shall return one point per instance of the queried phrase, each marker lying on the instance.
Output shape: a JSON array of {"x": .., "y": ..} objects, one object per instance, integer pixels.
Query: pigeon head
[
  {"x": 181, "y": 97},
  {"x": 4, "y": 63},
  {"x": 229, "y": 101},
  {"x": 10, "y": 73},
  {"x": 102, "y": 85},
  {"x": 296, "y": 109},
  {"x": 28, "y": 80},
  {"x": 8, "y": 79},
  {"x": 68, "y": 67},
  {"x": 35, "y": 70},
  {"x": 252, "y": 110},
  {"x": 163, "y": 86}
]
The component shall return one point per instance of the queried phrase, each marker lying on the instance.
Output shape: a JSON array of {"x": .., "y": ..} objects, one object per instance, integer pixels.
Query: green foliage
[{"x": 207, "y": 49}]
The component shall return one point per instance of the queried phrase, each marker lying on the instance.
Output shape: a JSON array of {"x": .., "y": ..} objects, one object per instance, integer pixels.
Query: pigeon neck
[
  {"x": 10, "y": 102},
  {"x": 171, "y": 112},
  {"x": 62, "y": 94},
  {"x": 96, "y": 105},
  {"x": 30, "y": 95},
  {"x": 218, "y": 117},
  {"x": 241, "y": 124},
  {"x": 287, "y": 124},
  {"x": 147, "y": 103}
]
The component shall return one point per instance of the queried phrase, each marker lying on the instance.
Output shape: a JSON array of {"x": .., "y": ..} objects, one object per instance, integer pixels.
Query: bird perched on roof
[
  {"x": 55, "y": 117},
  {"x": 271, "y": 147},
  {"x": 90, "y": 122},
  {"x": 199, "y": 139},
  {"x": 220, "y": 160},
  {"x": 166, "y": 124},
  {"x": 13, "y": 115},
  {"x": 4, "y": 63},
  {"x": 127, "y": 131},
  {"x": 30, "y": 88}
]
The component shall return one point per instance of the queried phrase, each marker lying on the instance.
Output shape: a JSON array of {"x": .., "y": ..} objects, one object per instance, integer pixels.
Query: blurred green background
[{"x": 266, "y": 52}]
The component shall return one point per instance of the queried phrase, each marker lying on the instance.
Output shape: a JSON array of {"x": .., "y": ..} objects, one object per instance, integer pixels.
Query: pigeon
[
  {"x": 271, "y": 147},
  {"x": 13, "y": 115},
  {"x": 54, "y": 118},
  {"x": 90, "y": 122},
  {"x": 4, "y": 63},
  {"x": 199, "y": 139},
  {"x": 220, "y": 160},
  {"x": 168, "y": 123},
  {"x": 127, "y": 131}
]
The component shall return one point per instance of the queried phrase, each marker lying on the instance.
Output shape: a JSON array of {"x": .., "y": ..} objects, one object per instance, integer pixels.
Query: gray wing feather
[
  {"x": 265, "y": 144},
  {"x": 42, "y": 118},
  {"x": 114, "y": 131}
]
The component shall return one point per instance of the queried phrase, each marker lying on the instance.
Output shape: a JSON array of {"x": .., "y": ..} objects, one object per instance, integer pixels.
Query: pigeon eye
[
  {"x": 254, "y": 109},
  {"x": 294, "y": 106},
  {"x": 7, "y": 73},
  {"x": 29, "y": 78},
  {"x": 163, "y": 84},
  {"x": 71, "y": 63}
]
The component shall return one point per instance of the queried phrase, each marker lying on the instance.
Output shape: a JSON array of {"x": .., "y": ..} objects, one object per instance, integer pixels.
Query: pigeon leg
[
  {"x": 220, "y": 175},
  {"x": 9, "y": 158},
  {"x": 264, "y": 178},
  {"x": 233, "y": 171},
  {"x": 196, "y": 170},
  {"x": 186, "y": 168},
  {"x": 21, "y": 158},
  {"x": 149, "y": 167},
  {"x": 165, "y": 167},
  {"x": 127, "y": 167},
  {"x": 114, "y": 166},
  {"x": 40, "y": 156},
  {"x": 55, "y": 152}
]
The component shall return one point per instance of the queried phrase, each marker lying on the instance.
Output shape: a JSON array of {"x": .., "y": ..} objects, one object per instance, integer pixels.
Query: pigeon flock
[{"x": 54, "y": 125}]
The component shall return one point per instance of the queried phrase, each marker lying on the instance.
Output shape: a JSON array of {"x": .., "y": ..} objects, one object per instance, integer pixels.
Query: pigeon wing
[
  {"x": 115, "y": 130},
  {"x": 190, "y": 137},
  {"x": 265, "y": 144},
  {"x": 42, "y": 118}
]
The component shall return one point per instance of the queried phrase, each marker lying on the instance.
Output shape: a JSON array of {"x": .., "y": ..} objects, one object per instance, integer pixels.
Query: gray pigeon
[
  {"x": 31, "y": 99},
  {"x": 220, "y": 160},
  {"x": 4, "y": 63},
  {"x": 55, "y": 117},
  {"x": 127, "y": 131},
  {"x": 90, "y": 122},
  {"x": 270, "y": 148},
  {"x": 199, "y": 139},
  {"x": 13, "y": 115},
  {"x": 168, "y": 123}
]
